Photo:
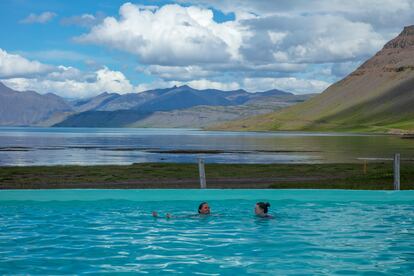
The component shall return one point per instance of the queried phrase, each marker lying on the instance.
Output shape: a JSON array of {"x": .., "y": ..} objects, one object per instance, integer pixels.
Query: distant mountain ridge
[
  {"x": 377, "y": 97},
  {"x": 128, "y": 110},
  {"x": 95, "y": 102},
  {"x": 29, "y": 108},
  {"x": 166, "y": 107}
]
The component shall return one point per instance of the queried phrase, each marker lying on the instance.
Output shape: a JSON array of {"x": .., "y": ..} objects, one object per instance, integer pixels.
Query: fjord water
[
  {"x": 111, "y": 231},
  {"x": 87, "y": 146}
]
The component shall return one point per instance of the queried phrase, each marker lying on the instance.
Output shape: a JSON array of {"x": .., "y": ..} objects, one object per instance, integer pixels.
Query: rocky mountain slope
[
  {"x": 378, "y": 97},
  {"x": 29, "y": 108},
  {"x": 180, "y": 107},
  {"x": 172, "y": 107}
]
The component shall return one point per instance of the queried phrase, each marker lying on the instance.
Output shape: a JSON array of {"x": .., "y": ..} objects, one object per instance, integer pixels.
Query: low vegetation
[{"x": 373, "y": 176}]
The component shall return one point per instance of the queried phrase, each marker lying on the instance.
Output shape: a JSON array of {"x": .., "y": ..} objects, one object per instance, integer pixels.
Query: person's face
[
  {"x": 205, "y": 209},
  {"x": 258, "y": 211}
]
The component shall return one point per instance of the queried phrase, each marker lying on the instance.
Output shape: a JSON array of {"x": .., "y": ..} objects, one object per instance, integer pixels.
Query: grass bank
[{"x": 375, "y": 176}]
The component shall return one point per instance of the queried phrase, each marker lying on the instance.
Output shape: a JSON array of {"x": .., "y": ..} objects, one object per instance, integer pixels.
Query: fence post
[
  {"x": 365, "y": 166},
  {"x": 202, "y": 173},
  {"x": 397, "y": 171}
]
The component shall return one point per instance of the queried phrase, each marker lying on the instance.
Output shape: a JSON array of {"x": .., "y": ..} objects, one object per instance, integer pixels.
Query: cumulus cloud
[
  {"x": 180, "y": 73},
  {"x": 378, "y": 13},
  {"x": 23, "y": 74},
  {"x": 291, "y": 84},
  {"x": 38, "y": 18},
  {"x": 294, "y": 45},
  {"x": 326, "y": 38},
  {"x": 69, "y": 83},
  {"x": 171, "y": 35},
  {"x": 196, "y": 84},
  {"x": 345, "y": 30},
  {"x": 12, "y": 65},
  {"x": 208, "y": 84},
  {"x": 264, "y": 40},
  {"x": 63, "y": 73}
]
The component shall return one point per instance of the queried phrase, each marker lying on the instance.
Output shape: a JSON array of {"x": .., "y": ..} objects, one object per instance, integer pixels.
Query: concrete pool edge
[{"x": 145, "y": 195}]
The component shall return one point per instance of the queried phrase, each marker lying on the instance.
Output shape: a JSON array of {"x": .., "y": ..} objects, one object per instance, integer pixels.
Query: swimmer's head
[
  {"x": 261, "y": 208},
  {"x": 203, "y": 208}
]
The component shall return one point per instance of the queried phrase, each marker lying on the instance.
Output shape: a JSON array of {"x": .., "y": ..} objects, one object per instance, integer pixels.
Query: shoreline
[
  {"x": 392, "y": 132},
  {"x": 353, "y": 176}
]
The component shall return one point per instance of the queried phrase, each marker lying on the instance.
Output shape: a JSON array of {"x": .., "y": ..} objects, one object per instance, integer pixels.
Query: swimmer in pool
[
  {"x": 261, "y": 210},
  {"x": 203, "y": 209}
]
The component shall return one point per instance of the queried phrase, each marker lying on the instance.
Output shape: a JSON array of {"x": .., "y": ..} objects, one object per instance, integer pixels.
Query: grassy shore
[{"x": 376, "y": 176}]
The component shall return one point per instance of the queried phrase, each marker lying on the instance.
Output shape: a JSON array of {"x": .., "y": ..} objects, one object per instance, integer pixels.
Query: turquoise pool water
[{"x": 315, "y": 232}]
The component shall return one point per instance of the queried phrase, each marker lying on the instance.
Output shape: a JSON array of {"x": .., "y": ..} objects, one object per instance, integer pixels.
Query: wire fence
[
  {"x": 387, "y": 170},
  {"x": 394, "y": 173}
]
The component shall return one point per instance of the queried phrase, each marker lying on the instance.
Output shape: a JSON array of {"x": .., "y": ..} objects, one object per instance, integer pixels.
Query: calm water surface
[
  {"x": 51, "y": 146},
  {"x": 362, "y": 233}
]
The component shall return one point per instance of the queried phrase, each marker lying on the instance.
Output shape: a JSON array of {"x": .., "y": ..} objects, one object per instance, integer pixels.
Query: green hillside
[{"x": 377, "y": 97}]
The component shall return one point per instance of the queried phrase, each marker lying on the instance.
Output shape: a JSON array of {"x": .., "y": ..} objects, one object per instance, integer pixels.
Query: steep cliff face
[
  {"x": 378, "y": 96},
  {"x": 396, "y": 56},
  {"x": 403, "y": 41}
]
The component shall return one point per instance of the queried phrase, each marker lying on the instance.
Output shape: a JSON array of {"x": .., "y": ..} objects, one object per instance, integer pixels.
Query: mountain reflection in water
[{"x": 88, "y": 146}]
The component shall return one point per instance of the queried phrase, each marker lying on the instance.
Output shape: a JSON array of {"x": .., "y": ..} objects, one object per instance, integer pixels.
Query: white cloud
[
  {"x": 273, "y": 67},
  {"x": 179, "y": 73},
  {"x": 156, "y": 84},
  {"x": 12, "y": 65},
  {"x": 344, "y": 30},
  {"x": 113, "y": 81},
  {"x": 237, "y": 71},
  {"x": 276, "y": 37},
  {"x": 38, "y": 18},
  {"x": 326, "y": 38},
  {"x": 171, "y": 35},
  {"x": 22, "y": 74},
  {"x": 67, "y": 85},
  {"x": 63, "y": 73},
  {"x": 208, "y": 84},
  {"x": 196, "y": 84},
  {"x": 264, "y": 40},
  {"x": 294, "y": 45},
  {"x": 291, "y": 84},
  {"x": 336, "y": 39},
  {"x": 389, "y": 12}
]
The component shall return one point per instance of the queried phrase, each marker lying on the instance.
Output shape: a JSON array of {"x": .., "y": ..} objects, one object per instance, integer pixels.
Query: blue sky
[{"x": 82, "y": 48}]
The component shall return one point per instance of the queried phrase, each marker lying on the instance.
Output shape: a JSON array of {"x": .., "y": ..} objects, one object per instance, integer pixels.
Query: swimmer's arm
[{"x": 155, "y": 215}]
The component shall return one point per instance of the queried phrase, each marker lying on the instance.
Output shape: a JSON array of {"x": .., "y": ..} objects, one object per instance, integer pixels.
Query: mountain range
[
  {"x": 377, "y": 97},
  {"x": 29, "y": 108},
  {"x": 171, "y": 107}
]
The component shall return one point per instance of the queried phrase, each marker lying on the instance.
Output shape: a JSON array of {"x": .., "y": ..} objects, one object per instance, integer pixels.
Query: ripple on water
[{"x": 121, "y": 236}]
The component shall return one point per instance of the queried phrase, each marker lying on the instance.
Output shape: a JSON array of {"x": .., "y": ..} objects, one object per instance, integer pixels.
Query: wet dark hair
[
  {"x": 201, "y": 206},
  {"x": 264, "y": 206}
]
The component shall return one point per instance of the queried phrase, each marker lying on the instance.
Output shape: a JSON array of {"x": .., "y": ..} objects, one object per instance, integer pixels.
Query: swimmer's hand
[{"x": 155, "y": 215}]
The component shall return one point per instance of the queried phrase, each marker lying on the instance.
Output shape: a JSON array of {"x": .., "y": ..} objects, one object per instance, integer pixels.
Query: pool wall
[{"x": 208, "y": 194}]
